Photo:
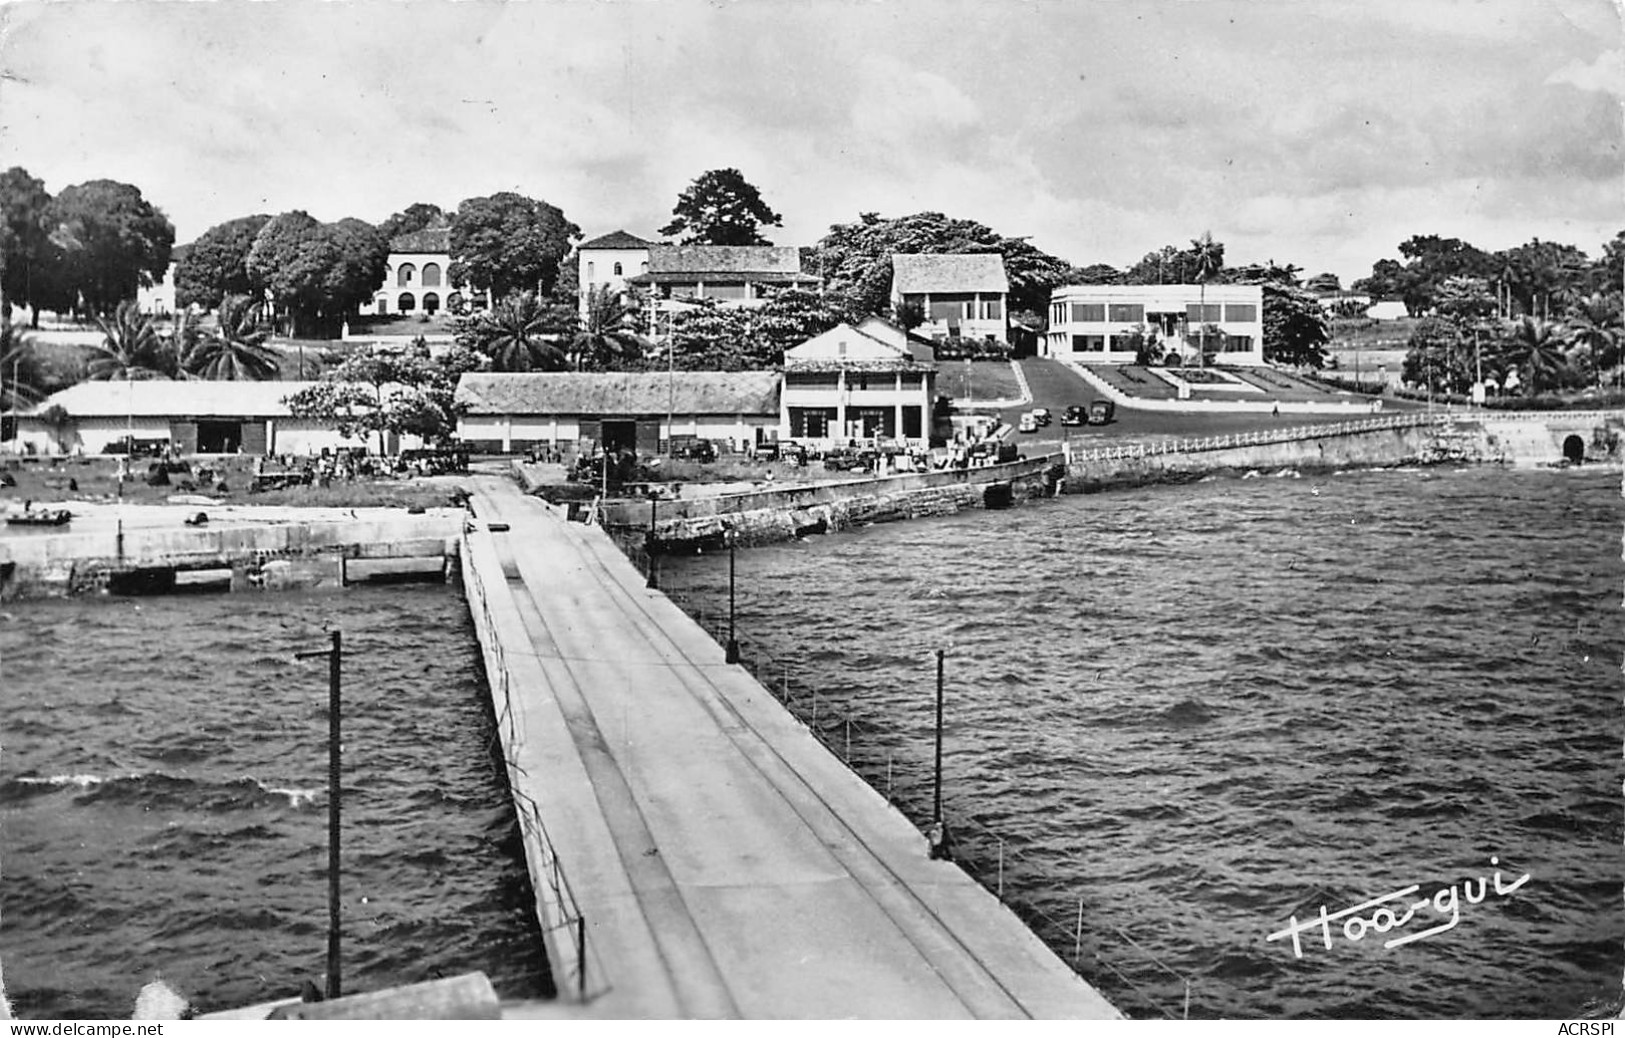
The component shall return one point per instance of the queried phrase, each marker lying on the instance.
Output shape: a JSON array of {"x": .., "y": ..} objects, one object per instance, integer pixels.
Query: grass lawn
[{"x": 977, "y": 380}]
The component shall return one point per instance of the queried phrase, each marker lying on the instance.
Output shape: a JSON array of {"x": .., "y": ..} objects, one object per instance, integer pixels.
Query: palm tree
[
  {"x": 1595, "y": 326},
  {"x": 22, "y": 374},
  {"x": 606, "y": 338},
  {"x": 1209, "y": 257},
  {"x": 1536, "y": 346},
  {"x": 515, "y": 335},
  {"x": 237, "y": 351},
  {"x": 131, "y": 348}
]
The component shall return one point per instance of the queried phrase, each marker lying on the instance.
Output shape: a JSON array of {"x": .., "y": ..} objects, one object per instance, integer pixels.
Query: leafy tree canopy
[
  {"x": 721, "y": 207},
  {"x": 509, "y": 243},
  {"x": 25, "y": 244},
  {"x": 710, "y": 337},
  {"x": 383, "y": 391},
  {"x": 216, "y": 265},
  {"x": 1296, "y": 330},
  {"x": 414, "y": 217},
  {"x": 318, "y": 272},
  {"x": 855, "y": 258},
  {"x": 520, "y": 333},
  {"x": 112, "y": 241}
]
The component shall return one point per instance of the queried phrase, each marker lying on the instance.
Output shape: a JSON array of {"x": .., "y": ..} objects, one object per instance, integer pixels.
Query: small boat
[{"x": 42, "y": 517}]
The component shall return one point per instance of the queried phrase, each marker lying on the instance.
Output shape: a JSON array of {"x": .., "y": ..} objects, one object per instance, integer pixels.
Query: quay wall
[
  {"x": 261, "y": 555},
  {"x": 763, "y": 517}
]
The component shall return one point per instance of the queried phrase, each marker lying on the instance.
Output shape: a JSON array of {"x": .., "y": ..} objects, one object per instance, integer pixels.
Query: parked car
[
  {"x": 1028, "y": 423},
  {"x": 1101, "y": 412},
  {"x": 1041, "y": 415},
  {"x": 849, "y": 459},
  {"x": 696, "y": 450},
  {"x": 1077, "y": 414}
]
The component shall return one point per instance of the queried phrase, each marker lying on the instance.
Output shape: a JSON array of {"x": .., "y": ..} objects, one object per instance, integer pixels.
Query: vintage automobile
[
  {"x": 1041, "y": 415},
  {"x": 1077, "y": 414},
  {"x": 1027, "y": 424},
  {"x": 1101, "y": 412}
]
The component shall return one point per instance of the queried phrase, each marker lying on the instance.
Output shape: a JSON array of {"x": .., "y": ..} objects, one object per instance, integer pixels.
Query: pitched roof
[
  {"x": 845, "y": 348},
  {"x": 713, "y": 259},
  {"x": 714, "y": 277},
  {"x": 949, "y": 272},
  {"x": 430, "y": 239},
  {"x": 157, "y": 398},
  {"x": 616, "y": 240},
  {"x": 620, "y": 393}
]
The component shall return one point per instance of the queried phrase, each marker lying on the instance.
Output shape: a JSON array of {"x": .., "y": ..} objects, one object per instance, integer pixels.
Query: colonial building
[
  {"x": 643, "y": 411},
  {"x": 158, "y": 298},
  {"x": 740, "y": 275},
  {"x": 858, "y": 383},
  {"x": 607, "y": 262},
  {"x": 1100, "y": 324},
  {"x": 962, "y": 295},
  {"x": 192, "y": 417},
  {"x": 418, "y": 278}
]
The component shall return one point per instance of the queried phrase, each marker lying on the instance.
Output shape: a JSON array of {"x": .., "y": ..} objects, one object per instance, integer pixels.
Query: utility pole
[{"x": 333, "y": 793}]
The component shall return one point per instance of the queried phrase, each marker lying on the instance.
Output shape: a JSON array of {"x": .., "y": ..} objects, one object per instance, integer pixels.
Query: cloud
[{"x": 1605, "y": 75}]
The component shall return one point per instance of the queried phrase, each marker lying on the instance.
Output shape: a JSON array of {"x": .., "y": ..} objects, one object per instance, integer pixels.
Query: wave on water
[{"x": 160, "y": 789}]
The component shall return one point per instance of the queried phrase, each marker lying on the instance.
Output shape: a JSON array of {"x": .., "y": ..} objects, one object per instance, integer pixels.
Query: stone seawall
[
  {"x": 283, "y": 554},
  {"x": 779, "y": 515}
]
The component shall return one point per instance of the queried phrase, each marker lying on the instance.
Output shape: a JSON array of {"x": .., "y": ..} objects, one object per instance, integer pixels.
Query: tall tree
[
  {"x": 363, "y": 263},
  {"x": 131, "y": 348},
  {"x": 378, "y": 391},
  {"x": 23, "y": 378},
  {"x": 519, "y": 333},
  {"x": 607, "y": 339},
  {"x": 414, "y": 217},
  {"x": 216, "y": 264},
  {"x": 1208, "y": 259},
  {"x": 24, "y": 239},
  {"x": 1295, "y": 327},
  {"x": 317, "y": 273},
  {"x": 238, "y": 350},
  {"x": 113, "y": 241},
  {"x": 1535, "y": 347},
  {"x": 509, "y": 243},
  {"x": 721, "y": 207},
  {"x": 1595, "y": 327}
]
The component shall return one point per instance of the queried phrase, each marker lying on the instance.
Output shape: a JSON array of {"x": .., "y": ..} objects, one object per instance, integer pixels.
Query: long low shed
[{"x": 509, "y": 412}]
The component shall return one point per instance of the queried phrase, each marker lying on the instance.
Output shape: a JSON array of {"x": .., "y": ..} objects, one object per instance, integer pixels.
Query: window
[
  {"x": 1088, "y": 343},
  {"x": 617, "y": 270},
  {"x": 431, "y": 276},
  {"x": 1092, "y": 312},
  {"x": 1057, "y": 313},
  {"x": 912, "y": 424},
  {"x": 431, "y": 302},
  {"x": 1238, "y": 344},
  {"x": 1240, "y": 312},
  {"x": 811, "y": 422},
  {"x": 406, "y": 303},
  {"x": 1120, "y": 344},
  {"x": 403, "y": 277},
  {"x": 726, "y": 292},
  {"x": 993, "y": 308},
  {"x": 592, "y": 272},
  {"x": 1127, "y": 313},
  {"x": 1196, "y": 313}
]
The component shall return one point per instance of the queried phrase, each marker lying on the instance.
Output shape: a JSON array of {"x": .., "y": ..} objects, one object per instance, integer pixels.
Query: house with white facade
[
  {"x": 1098, "y": 324},
  {"x": 642, "y": 411},
  {"x": 868, "y": 381},
  {"x": 962, "y": 295},
  {"x": 192, "y": 417},
  {"x": 607, "y": 261},
  {"x": 418, "y": 280},
  {"x": 158, "y": 298}
]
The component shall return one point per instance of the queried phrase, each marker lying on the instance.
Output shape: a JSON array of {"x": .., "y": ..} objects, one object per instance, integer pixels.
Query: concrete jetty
[{"x": 718, "y": 860}]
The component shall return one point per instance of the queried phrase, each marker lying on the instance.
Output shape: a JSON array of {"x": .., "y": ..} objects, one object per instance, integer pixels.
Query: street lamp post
[{"x": 333, "y": 792}]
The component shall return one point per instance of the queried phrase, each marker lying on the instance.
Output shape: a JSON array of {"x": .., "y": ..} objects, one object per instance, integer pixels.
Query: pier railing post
[
  {"x": 581, "y": 957},
  {"x": 334, "y": 988},
  {"x": 733, "y": 642},
  {"x": 649, "y": 548}
]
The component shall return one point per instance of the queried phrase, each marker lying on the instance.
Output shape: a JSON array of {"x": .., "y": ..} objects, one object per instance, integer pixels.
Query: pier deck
[{"x": 725, "y": 863}]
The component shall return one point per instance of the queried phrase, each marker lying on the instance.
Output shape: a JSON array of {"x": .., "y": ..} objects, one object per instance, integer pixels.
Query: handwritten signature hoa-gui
[{"x": 1443, "y": 904}]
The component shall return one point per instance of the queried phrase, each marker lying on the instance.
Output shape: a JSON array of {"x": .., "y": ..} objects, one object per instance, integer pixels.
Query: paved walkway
[{"x": 726, "y": 863}]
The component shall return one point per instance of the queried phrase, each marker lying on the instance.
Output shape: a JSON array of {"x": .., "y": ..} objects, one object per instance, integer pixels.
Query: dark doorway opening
[
  {"x": 619, "y": 436},
  {"x": 219, "y": 437},
  {"x": 1574, "y": 449}
]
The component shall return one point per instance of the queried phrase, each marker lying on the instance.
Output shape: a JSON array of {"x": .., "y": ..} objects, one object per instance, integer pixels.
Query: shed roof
[
  {"x": 949, "y": 272},
  {"x": 620, "y": 393},
  {"x": 616, "y": 240},
  {"x": 157, "y": 398}
]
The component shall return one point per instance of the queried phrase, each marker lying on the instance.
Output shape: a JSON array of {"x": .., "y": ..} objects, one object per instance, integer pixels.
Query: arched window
[
  {"x": 645, "y": 266},
  {"x": 403, "y": 277},
  {"x": 431, "y": 277},
  {"x": 617, "y": 270},
  {"x": 592, "y": 275},
  {"x": 406, "y": 303},
  {"x": 431, "y": 302}
]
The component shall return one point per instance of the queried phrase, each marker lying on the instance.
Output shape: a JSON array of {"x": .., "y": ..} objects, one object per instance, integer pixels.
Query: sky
[{"x": 1316, "y": 132}]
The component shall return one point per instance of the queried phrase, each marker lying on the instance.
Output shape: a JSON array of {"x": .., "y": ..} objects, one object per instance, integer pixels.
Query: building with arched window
[
  {"x": 418, "y": 276},
  {"x": 607, "y": 261}
]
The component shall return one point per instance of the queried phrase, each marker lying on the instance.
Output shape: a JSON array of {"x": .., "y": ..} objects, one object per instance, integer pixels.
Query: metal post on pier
[
  {"x": 733, "y": 642},
  {"x": 333, "y": 786},
  {"x": 938, "y": 841},
  {"x": 649, "y": 549}
]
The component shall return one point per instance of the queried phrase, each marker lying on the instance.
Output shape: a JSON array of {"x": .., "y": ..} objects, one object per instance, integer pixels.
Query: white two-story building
[
  {"x": 418, "y": 278},
  {"x": 962, "y": 295},
  {"x": 1098, "y": 324},
  {"x": 858, "y": 383},
  {"x": 607, "y": 261}
]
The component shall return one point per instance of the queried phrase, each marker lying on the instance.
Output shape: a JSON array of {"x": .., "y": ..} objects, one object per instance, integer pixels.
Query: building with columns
[
  {"x": 418, "y": 278},
  {"x": 863, "y": 382}
]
